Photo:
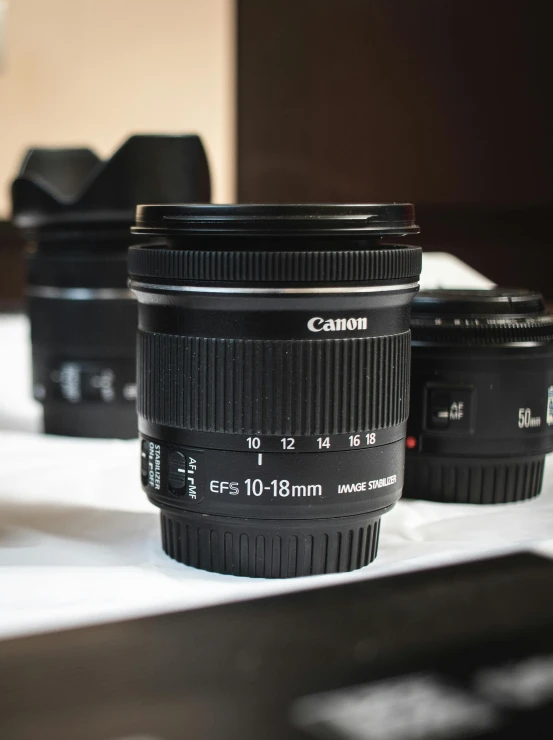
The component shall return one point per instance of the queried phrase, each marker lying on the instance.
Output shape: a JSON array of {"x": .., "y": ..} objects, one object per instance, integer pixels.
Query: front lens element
[{"x": 273, "y": 381}]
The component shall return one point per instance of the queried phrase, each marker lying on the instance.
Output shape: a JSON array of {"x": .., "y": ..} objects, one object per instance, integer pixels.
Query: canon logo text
[{"x": 319, "y": 324}]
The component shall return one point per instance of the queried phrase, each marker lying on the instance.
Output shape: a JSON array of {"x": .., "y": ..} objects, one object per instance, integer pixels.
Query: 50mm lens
[
  {"x": 481, "y": 418},
  {"x": 273, "y": 381}
]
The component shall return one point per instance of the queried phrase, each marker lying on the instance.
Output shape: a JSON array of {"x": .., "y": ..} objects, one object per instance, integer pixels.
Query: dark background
[
  {"x": 445, "y": 104},
  {"x": 12, "y": 268}
]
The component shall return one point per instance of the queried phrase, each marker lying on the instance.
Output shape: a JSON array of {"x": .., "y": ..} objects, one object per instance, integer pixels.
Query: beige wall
[{"x": 91, "y": 72}]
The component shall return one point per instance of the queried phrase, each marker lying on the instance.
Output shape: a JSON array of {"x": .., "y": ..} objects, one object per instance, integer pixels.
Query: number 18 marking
[{"x": 355, "y": 439}]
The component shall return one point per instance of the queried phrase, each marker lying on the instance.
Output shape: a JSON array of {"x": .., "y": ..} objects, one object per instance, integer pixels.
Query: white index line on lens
[
  {"x": 149, "y": 287},
  {"x": 80, "y": 294}
]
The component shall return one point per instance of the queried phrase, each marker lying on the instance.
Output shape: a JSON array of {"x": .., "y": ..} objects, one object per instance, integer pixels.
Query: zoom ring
[{"x": 287, "y": 387}]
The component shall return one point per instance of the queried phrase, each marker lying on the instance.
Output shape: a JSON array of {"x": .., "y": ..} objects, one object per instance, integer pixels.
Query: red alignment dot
[{"x": 411, "y": 443}]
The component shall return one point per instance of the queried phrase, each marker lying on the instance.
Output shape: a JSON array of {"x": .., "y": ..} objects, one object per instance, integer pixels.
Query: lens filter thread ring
[{"x": 355, "y": 220}]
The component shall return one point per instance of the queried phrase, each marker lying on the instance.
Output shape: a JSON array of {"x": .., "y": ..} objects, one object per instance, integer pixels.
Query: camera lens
[
  {"x": 76, "y": 212},
  {"x": 481, "y": 415},
  {"x": 273, "y": 381}
]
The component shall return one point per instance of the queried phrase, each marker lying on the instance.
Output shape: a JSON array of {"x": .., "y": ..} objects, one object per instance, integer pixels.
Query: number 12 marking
[{"x": 287, "y": 443}]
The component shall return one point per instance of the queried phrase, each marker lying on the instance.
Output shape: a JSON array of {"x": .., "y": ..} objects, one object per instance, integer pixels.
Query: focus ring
[
  {"x": 530, "y": 331},
  {"x": 270, "y": 550},
  {"x": 473, "y": 480},
  {"x": 281, "y": 387},
  {"x": 276, "y": 266}
]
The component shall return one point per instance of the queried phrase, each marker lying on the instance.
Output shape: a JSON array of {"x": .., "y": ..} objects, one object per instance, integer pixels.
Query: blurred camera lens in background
[
  {"x": 481, "y": 418},
  {"x": 76, "y": 212},
  {"x": 273, "y": 380}
]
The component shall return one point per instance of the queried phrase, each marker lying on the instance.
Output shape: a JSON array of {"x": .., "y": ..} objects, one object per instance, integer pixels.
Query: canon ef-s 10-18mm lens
[{"x": 273, "y": 380}]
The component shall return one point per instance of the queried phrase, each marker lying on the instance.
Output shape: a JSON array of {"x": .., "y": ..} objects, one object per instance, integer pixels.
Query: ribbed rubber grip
[
  {"x": 307, "y": 266},
  {"x": 473, "y": 480},
  {"x": 272, "y": 549},
  {"x": 539, "y": 329},
  {"x": 288, "y": 387}
]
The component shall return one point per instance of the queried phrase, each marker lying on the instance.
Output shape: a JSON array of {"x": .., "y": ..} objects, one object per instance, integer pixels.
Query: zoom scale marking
[
  {"x": 267, "y": 443},
  {"x": 215, "y": 481}
]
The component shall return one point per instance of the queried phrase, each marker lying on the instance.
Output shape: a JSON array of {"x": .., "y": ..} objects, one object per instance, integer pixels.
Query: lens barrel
[
  {"x": 83, "y": 332},
  {"x": 76, "y": 212},
  {"x": 481, "y": 416},
  {"x": 273, "y": 381}
]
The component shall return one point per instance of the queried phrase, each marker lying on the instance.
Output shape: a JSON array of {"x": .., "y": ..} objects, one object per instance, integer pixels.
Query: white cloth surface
[
  {"x": 80, "y": 543},
  {"x": 443, "y": 270}
]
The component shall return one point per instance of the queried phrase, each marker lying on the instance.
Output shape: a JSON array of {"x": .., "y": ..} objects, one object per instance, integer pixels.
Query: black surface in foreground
[{"x": 463, "y": 651}]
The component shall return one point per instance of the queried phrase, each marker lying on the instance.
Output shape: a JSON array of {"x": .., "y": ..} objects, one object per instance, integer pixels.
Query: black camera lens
[
  {"x": 481, "y": 417},
  {"x": 76, "y": 212},
  {"x": 273, "y": 381}
]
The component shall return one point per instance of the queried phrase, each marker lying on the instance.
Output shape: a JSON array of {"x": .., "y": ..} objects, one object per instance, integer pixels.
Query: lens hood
[{"x": 62, "y": 189}]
